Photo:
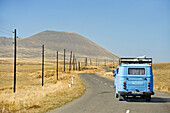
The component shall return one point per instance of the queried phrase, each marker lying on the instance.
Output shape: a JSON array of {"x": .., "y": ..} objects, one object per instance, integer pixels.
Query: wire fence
[{"x": 65, "y": 61}]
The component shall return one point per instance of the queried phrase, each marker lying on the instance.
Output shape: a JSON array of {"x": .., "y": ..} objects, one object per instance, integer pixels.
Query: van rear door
[{"x": 136, "y": 79}]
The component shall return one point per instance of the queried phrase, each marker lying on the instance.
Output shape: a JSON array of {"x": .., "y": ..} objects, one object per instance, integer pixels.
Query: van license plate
[
  {"x": 134, "y": 92},
  {"x": 136, "y": 83}
]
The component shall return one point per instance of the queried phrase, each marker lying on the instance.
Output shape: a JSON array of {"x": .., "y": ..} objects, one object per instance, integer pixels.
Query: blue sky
[{"x": 125, "y": 27}]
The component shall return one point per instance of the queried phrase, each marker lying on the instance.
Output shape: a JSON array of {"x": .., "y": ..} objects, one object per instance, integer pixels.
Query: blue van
[{"x": 134, "y": 78}]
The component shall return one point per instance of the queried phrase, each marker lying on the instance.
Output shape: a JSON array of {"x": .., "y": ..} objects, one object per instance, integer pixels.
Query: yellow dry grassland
[
  {"x": 91, "y": 69},
  {"x": 30, "y": 96},
  {"x": 161, "y": 76}
]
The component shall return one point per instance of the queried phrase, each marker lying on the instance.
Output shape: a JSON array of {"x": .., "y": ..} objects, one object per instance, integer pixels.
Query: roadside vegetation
[
  {"x": 30, "y": 96},
  {"x": 161, "y": 76}
]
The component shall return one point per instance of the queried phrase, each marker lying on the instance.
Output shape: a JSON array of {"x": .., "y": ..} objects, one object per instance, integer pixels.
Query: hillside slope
[{"x": 53, "y": 41}]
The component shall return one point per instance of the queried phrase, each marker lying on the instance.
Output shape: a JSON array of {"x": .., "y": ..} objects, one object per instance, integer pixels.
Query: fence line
[{"x": 76, "y": 61}]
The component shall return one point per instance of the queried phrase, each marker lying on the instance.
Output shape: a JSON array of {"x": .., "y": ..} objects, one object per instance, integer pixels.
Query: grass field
[
  {"x": 30, "y": 96},
  {"x": 161, "y": 72}
]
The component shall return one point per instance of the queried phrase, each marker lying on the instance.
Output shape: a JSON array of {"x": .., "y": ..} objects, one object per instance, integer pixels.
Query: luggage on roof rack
[{"x": 135, "y": 60}]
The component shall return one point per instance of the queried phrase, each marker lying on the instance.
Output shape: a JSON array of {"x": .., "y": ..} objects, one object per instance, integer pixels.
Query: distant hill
[{"x": 54, "y": 40}]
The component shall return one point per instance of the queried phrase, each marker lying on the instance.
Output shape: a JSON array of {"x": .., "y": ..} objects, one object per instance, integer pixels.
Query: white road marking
[
  {"x": 111, "y": 86},
  {"x": 127, "y": 111},
  {"x": 105, "y": 83},
  {"x": 101, "y": 82}
]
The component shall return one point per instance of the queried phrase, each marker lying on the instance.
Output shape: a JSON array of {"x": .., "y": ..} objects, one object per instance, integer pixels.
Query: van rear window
[{"x": 136, "y": 71}]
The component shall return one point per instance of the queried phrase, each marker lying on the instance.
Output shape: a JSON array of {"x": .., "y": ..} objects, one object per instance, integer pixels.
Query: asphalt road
[{"x": 99, "y": 98}]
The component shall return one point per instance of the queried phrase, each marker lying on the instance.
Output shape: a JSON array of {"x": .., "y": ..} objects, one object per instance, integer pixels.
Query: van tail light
[
  {"x": 124, "y": 84},
  {"x": 148, "y": 85}
]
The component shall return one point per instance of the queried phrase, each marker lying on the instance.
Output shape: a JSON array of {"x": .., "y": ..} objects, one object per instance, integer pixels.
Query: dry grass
[
  {"x": 30, "y": 95},
  {"x": 41, "y": 99},
  {"x": 161, "y": 76}
]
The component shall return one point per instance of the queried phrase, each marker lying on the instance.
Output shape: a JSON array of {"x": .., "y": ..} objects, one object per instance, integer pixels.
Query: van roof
[
  {"x": 135, "y": 65},
  {"x": 138, "y": 60}
]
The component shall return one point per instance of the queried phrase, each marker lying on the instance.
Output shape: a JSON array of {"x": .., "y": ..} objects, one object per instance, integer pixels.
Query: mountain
[
  {"x": 6, "y": 47},
  {"x": 30, "y": 47}
]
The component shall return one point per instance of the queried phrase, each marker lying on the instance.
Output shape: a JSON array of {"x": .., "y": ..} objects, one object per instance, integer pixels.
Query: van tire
[
  {"x": 116, "y": 95},
  {"x": 148, "y": 98},
  {"x": 121, "y": 98}
]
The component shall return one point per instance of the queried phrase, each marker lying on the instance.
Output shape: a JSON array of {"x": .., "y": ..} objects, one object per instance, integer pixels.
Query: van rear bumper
[{"x": 131, "y": 93}]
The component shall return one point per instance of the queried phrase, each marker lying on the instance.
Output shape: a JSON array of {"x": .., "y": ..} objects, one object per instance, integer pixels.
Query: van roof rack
[{"x": 135, "y": 60}]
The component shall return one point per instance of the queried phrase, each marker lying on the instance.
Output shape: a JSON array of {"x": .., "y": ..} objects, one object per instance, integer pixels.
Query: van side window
[
  {"x": 117, "y": 71},
  {"x": 136, "y": 71}
]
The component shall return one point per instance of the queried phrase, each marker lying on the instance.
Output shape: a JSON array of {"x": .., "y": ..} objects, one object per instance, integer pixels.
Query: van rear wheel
[
  {"x": 121, "y": 98},
  {"x": 148, "y": 98},
  {"x": 116, "y": 95}
]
